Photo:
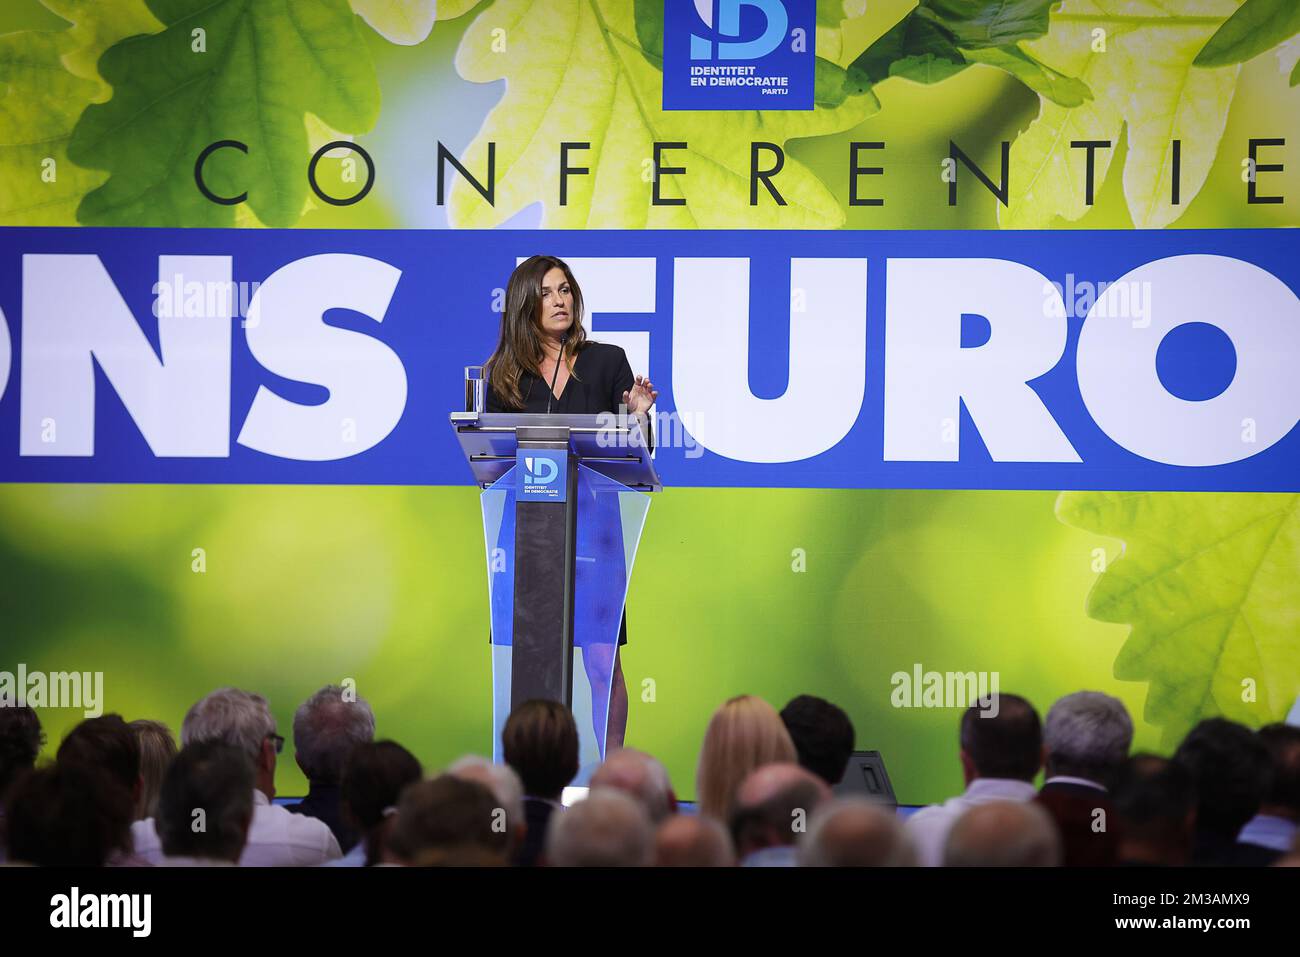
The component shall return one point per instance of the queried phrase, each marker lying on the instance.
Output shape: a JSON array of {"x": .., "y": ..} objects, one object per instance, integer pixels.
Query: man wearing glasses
[{"x": 276, "y": 838}]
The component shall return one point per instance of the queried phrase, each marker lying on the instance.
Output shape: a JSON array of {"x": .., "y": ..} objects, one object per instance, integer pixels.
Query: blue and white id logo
[
  {"x": 739, "y": 54},
  {"x": 542, "y": 474}
]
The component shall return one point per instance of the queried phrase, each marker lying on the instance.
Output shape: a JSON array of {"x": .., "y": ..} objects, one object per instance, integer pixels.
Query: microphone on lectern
[{"x": 550, "y": 393}]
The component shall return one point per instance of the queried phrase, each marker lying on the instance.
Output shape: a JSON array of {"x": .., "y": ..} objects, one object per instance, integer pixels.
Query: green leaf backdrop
[{"x": 1175, "y": 602}]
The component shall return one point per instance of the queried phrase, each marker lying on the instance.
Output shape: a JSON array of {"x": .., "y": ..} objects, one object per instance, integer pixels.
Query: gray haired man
[
  {"x": 326, "y": 727},
  {"x": 276, "y": 838},
  {"x": 1086, "y": 738}
]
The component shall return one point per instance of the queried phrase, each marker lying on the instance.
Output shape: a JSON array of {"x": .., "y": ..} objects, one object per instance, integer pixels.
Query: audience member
[
  {"x": 693, "y": 840},
  {"x": 108, "y": 744},
  {"x": 608, "y": 829},
  {"x": 771, "y": 811},
  {"x": 1275, "y": 826},
  {"x": 208, "y": 782},
  {"x": 373, "y": 778},
  {"x": 1001, "y": 752},
  {"x": 540, "y": 741},
  {"x": 276, "y": 838},
  {"x": 1003, "y": 834},
  {"x": 21, "y": 739},
  {"x": 67, "y": 815},
  {"x": 640, "y": 775},
  {"x": 1232, "y": 773},
  {"x": 1086, "y": 737},
  {"x": 326, "y": 727},
  {"x": 1229, "y": 796},
  {"x": 745, "y": 733},
  {"x": 823, "y": 736},
  {"x": 447, "y": 821},
  {"x": 855, "y": 832},
  {"x": 505, "y": 786},
  {"x": 157, "y": 749},
  {"x": 1155, "y": 812}
]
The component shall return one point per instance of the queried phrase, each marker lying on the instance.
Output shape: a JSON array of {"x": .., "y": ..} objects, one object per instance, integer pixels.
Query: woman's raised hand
[{"x": 641, "y": 396}]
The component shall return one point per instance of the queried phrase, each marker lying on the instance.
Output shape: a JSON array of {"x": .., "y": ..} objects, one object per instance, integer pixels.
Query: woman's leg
[
  {"x": 612, "y": 717},
  {"x": 617, "y": 706}
]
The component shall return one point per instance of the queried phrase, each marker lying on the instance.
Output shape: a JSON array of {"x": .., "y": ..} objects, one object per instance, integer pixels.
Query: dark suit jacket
[
  {"x": 323, "y": 802},
  {"x": 1214, "y": 850},
  {"x": 537, "y": 815},
  {"x": 600, "y": 376},
  {"x": 1086, "y": 819}
]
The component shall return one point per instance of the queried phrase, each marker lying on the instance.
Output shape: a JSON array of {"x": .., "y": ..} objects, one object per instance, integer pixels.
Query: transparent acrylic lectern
[{"x": 563, "y": 509}]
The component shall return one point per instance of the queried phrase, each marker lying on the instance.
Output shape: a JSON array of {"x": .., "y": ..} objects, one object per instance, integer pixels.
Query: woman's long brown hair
[{"x": 519, "y": 349}]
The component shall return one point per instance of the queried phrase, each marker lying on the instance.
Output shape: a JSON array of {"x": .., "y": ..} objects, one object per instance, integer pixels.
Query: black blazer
[
  {"x": 537, "y": 815},
  {"x": 600, "y": 376},
  {"x": 324, "y": 802}
]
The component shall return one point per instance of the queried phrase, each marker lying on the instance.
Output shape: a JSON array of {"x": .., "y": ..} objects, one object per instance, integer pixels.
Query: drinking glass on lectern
[{"x": 475, "y": 389}]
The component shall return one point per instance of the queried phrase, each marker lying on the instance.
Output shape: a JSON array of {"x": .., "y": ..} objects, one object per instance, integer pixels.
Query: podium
[{"x": 564, "y": 506}]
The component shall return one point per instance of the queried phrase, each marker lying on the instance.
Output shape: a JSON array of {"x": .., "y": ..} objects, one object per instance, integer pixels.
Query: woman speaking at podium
[{"x": 543, "y": 363}]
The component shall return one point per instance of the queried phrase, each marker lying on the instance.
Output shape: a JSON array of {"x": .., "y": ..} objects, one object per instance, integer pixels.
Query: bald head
[
  {"x": 1004, "y": 834},
  {"x": 777, "y": 780},
  {"x": 693, "y": 840},
  {"x": 608, "y": 829},
  {"x": 504, "y": 784},
  {"x": 773, "y": 805},
  {"x": 855, "y": 832},
  {"x": 639, "y": 775}
]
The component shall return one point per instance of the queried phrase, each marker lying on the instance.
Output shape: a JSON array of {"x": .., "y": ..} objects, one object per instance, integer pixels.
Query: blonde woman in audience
[
  {"x": 157, "y": 749},
  {"x": 744, "y": 734}
]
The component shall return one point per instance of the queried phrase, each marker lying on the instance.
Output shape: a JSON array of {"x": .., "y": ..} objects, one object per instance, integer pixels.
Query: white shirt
[
  {"x": 1067, "y": 779},
  {"x": 928, "y": 828},
  {"x": 276, "y": 838}
]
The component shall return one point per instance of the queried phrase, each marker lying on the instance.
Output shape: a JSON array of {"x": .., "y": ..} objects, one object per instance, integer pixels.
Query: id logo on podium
[
  {"x": 543, "y": 474},
  {"x": 739, "y": 54}
]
